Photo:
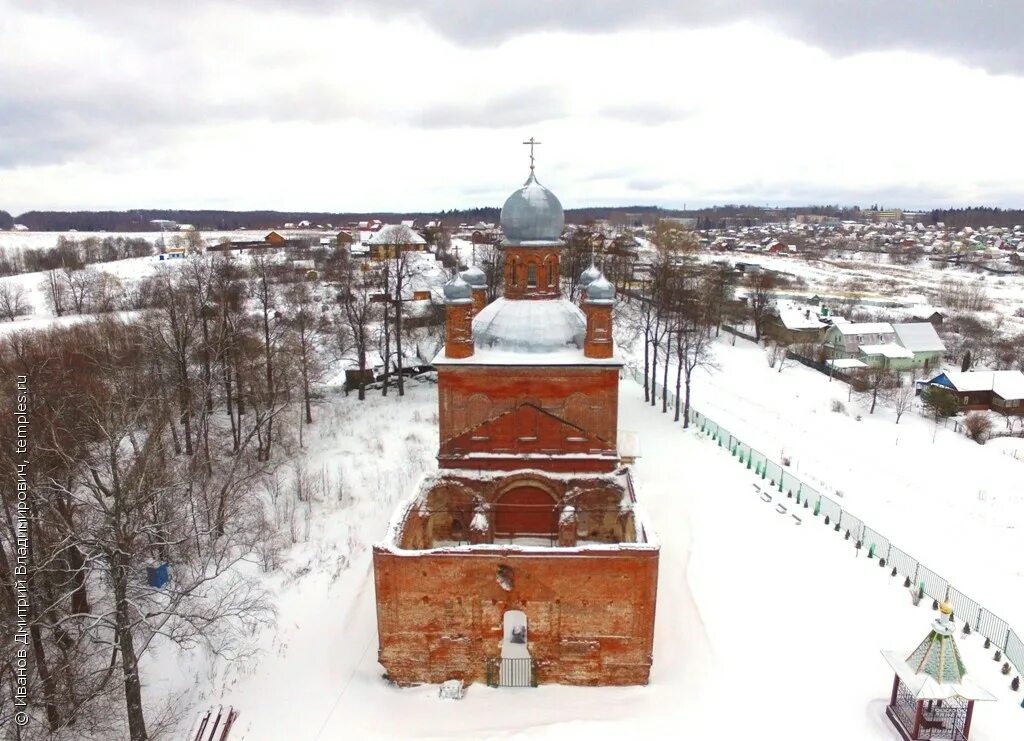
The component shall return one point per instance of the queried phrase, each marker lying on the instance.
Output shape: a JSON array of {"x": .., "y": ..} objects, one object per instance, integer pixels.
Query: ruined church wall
[{"x": 590, "y": 614}]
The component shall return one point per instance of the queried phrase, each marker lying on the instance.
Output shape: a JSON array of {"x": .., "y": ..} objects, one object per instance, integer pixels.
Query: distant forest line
[{"x": 137, "y": 220}]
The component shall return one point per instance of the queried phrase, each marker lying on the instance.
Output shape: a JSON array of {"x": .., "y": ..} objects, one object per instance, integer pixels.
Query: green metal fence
[{"x": 873, "y": 543}]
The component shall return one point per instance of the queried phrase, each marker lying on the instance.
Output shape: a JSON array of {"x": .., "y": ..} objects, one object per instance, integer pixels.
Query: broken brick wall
[{"x": 590, "y": 614}]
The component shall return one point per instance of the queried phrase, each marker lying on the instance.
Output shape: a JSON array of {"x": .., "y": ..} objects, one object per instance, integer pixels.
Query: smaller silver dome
[
  {"x": 589, "y": 275},
  {"x": 601, "y": 290},
  {"x": 474, "y": 276},
  {"x": 457, "y": 291}
]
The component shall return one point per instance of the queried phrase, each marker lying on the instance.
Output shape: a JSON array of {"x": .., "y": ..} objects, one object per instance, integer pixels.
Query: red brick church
[{"x": 523, "y": 559}]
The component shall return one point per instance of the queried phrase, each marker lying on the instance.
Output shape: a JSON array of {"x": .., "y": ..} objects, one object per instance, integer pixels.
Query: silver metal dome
[
  {"x": 474, "y": 276},
  {"x": 589, "y": 275},
  {"x": 530, "y": 326},
  {"x": 600, "y": 290},
  {"x": 457, "y": 291},
  {"x": 532, "y": 214}
]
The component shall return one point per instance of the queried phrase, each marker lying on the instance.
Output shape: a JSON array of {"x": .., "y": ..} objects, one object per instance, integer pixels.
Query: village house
[
  {"x": 793, "y": 325},
  {"x": 882, "y": 345},
  {"x": 924, "y": 343},
  {"x": 844, "y": 339},
  {"x": 522, "y": 560},
  {"x": 389, "y": 240},
  {"x": 1001, "y": 391}
]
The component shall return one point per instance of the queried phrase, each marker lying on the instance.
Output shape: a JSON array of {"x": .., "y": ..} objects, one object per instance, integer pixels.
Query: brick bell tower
[{"x": 529, "y": 380}]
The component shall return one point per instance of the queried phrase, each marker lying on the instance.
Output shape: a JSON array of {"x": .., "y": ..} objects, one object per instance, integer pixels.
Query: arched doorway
[
  {"x": 525, "y": 510},
  {"x": 514, "y": 637}
]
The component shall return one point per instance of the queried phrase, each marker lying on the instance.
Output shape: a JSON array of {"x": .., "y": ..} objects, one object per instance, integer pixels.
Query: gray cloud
[
  {"x": 499, "y": 111},
  {"x": 979, "y": 32},
  {"x": 642, "y": 185}
]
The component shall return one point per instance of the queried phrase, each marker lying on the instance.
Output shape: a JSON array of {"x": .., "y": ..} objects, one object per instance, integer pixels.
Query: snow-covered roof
[
  {"x": 528, "y": 332},
  {"x": 530, "y": 326},
  {"x": 794, "y": 318},
  {"x": 888, "y": 350},
  {"x": 1008, "y": 384},
  {"x": 847, "y": 363},
  {"x": 923, "y": 687},
  {"x": 394, "y": 234},
  {"x": 865, "y": 328},
  {"x": 919, "y": 337},
  {"x": 935, "y": 670}
]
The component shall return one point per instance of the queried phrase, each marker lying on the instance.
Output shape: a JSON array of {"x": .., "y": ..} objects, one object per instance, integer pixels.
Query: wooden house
[
  {"x": 394, "y": 238},
  {"x": 1001, "y": 391}
]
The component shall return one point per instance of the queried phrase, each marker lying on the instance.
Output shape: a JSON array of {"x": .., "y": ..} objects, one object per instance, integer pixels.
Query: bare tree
[
  {"x": 271, "y": 330},
  {"x": 402, "y": 273},
  {"x": 902, "y": 396},
  {"x": 491, "y": 259},
  {"x": 76, "y": 284},
  {"x": 874, "y": 384},
  {"x": 693, "y": 337},
  {"x": 13, "y": 300},
  {"x": 305, "y": 328},
  {"x": 759, "y": 296},
  {"x": 359, "y": 313},
  {"x": 53, "y": 288}
]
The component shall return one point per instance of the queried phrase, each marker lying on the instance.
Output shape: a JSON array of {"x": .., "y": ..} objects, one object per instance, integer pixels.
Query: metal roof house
[
  {"x": 884, "y": 345},
  {"x": 1001, "y": 391}
]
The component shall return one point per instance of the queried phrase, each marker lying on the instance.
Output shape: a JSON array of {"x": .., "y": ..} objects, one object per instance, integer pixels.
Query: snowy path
[{"x": 760, "y": 622}]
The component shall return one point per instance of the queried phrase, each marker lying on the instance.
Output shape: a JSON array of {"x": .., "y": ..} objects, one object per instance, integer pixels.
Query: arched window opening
[{"x": 531, "y": 276}]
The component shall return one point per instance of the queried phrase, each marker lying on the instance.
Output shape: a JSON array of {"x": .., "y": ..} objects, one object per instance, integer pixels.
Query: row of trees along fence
[
  {"x": 966, "y": 610},
  {"x": 681, "y": 306}
]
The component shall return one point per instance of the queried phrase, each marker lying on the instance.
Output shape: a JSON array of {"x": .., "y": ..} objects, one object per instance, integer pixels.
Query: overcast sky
[{"x": 422, "y": 104}]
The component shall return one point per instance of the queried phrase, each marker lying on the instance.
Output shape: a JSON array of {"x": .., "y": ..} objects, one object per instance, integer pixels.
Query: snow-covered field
[
  {"x": 956, "y": 506},
  {"x": 16, "y": 240},
  {"x": 762, "y": 624},
  {"x": 871, "y": 279}
]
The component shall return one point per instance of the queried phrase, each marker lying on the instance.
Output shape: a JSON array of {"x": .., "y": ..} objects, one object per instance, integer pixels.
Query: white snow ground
[
  {"x": 765, "y": 628},
  {"x": 956, "y": 506}
]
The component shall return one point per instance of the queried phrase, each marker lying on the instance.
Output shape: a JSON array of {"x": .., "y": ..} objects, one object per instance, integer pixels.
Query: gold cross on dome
[{"x": 531, "y": 142}]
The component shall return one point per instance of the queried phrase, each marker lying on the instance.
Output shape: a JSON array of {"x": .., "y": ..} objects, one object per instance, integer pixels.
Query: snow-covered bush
[
  {"x": 838, "y": 407},
  {"x": 978, "y": 426}
]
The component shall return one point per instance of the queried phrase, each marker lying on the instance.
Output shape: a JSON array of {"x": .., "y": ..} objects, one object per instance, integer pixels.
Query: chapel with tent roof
[
  {"x": 932, "y": 695},
  {"x": 524, "y": 558}
]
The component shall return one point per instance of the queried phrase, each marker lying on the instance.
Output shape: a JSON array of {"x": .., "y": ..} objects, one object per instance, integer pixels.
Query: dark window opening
[{"x": 531, "y": 276}]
